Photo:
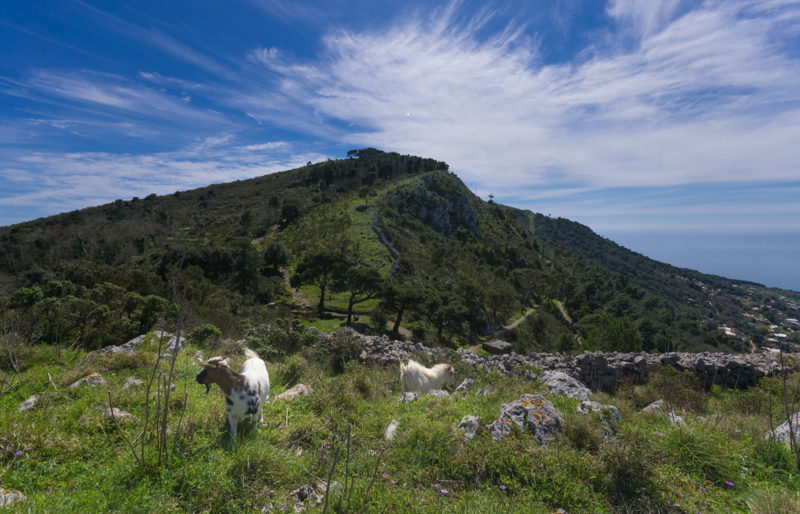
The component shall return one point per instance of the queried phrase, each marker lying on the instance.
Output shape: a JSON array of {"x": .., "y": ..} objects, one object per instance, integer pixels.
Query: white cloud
[{"x": 704, "y": 95}]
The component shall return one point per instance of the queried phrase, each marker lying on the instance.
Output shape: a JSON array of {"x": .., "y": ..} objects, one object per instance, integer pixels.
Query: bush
[{"x": 203, "y": 335}]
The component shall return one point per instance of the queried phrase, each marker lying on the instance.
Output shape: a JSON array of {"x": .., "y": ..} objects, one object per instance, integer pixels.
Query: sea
[{"x": 768, "y": 258}]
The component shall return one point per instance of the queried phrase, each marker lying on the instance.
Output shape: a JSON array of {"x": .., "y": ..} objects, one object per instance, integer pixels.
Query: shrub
[{"x": 203, "y": 335}]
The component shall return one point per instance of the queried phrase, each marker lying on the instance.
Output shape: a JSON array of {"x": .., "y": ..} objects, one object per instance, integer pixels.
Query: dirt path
[
  {"x": 530, "y": 311},
  {"x": 563, "y": 312}
]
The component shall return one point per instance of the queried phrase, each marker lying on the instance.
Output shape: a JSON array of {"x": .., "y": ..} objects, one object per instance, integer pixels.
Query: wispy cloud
[{"x": 705, "y": 93}]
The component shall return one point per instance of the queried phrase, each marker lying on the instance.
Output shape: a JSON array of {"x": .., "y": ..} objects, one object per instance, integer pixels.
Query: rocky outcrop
[
  {"x": 497, "y": 347},
  {"x": 92, "y": 379},
  {"x": 532, "y": 414}
]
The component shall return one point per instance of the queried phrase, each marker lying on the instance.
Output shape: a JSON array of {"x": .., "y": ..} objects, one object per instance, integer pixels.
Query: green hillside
[{"x": 468, "y": 268}]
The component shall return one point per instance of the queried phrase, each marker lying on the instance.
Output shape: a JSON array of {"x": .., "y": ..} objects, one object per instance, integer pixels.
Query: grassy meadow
[{"x": 65, "y": 458}]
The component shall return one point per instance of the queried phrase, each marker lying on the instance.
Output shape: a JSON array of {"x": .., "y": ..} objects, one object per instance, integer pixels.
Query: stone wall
[{"x": 598, "y": 370}]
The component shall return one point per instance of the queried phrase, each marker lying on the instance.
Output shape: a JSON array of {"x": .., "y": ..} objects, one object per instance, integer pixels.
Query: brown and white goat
[
  {"x": 245, "y": 392},
  {"x": 417, "y": 378}
]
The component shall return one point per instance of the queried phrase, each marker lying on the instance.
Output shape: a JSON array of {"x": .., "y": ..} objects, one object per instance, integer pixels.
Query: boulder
[
  {"x": 296, "y": 392},
  {"x": 391, "y": 429},
  {"x": 438, "y": 393},
  {"x": 120, "y": 415},
  {"x": 653, "y": 407},
  {"x": 10, "y": 497},
  {"x": 131, "y": 382},
  {"x": 409, "y": 397},
  {"x": 465, "y": 385},
  {"x": 781, "y": 433},
  {"x": 497, "y": 347},
  {"x": 470, "y": 425},
  {"x": 29, "y": 403},
  {"x": 532, "y": 413},
  {"x": 91, "y": 379},
  {"x": 675, "y": 419},
  {"x": 563, "y": 384}
]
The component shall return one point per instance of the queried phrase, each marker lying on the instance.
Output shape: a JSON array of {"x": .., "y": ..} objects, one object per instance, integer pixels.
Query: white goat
[
  {"x": 245, "y": 393},
  {"x": 417, "y": 378}
]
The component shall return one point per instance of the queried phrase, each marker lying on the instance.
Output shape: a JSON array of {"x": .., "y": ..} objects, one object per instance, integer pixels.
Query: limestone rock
[
  {"x": 391, "y": 429},
  {"x": 465, "y": 385},
  {"x": 675, "y": 419},
  {"x": 497, "y": 347},
  {"x": 296, "y": 392},
  {"x": 438, "y": 393},
  {"x": 563, "y": 384},
  {"x": 409, "y": 397},
  {"x": 782, "y": 432},
  {"x": 29, "y": 403},
  {"x": 653, "y": 407},
  {"x": 10, "y": 497},
  {"x": 131, "y": 382},
  {"x": 120, "y": 415},
  {"x": 91, "y": 379},
  {"x": 471, "y": 426},
  {"x": 609, "y": 412},
  {"x": 532, "y": 413},
  {"x": 306, "y": 495},
  {"x": 483, "y": 392}
]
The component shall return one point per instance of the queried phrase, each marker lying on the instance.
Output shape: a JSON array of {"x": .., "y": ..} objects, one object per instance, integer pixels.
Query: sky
[{"x": 630, "y": 116}]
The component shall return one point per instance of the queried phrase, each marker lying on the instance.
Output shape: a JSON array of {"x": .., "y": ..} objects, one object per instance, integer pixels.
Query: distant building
[{"x": 792, "y": 321}]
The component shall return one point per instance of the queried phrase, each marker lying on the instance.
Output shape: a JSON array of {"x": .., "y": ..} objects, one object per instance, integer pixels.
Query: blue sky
[{"x": 629, "y": 114}]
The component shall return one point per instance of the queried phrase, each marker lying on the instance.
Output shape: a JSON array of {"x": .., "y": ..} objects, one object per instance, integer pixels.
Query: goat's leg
[{"x": 233, "y": 422}]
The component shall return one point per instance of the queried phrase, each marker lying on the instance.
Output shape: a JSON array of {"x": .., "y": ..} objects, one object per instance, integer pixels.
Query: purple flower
[
  {"x": 703, "y": 488},
  {"x": 105, "y": 369},
  {"x": 324, "y": 457},
  {"x": 283, "y": 507},
  {"x": 385, "y": 381},
  {"x": 18, "y": 454},
  {"x": 443, "y": 491},
  {"x": 280, "y": 426},
  {"x": 45, "y": 364},
  {"x": 53, "y": 394},
  {"x": 369, "y": 405},
  {"x": 729, "y": 483},
  {"x": 393, "y": 482},
  {"x": 659, "y": 433},
  {"x": 63, "y": 362},
  {"x": 503, "y": 487},
  {"x": 384, "y": 475},
  {"x": 437, "y": 485},
  {"x": 716, "y": 495}
]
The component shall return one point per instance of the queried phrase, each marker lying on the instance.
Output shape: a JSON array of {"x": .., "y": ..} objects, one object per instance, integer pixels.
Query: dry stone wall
[{"x": 596, "y": 370}]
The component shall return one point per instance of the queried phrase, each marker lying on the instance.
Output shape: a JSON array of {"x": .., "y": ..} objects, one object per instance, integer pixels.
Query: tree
[
  {"x": 501, "y": 300},
  {"x": 397, "y": 298},
  {"x": 364, "y": 284},
  {"x": 247, "y": 268},
  {"x": 615, "y": 335},
  {"x": 275, "y": 255},
  {"x": 319, "y": 268}
]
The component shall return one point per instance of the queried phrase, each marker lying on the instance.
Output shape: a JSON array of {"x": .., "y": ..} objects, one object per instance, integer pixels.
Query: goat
[
  {"x": 245, "y": 392},
  {"x": 416, "y": 377}
]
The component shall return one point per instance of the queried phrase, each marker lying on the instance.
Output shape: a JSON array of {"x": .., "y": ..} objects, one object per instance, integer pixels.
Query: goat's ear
[
  {"x": 225, "y": 361},
  {"x": 208, "y": 388}
]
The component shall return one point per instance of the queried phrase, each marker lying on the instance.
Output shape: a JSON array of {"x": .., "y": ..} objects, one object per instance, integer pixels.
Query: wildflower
[
  {"x": 284, "y": 507},
  {"x": 53, "y": 394},
  {"x": 503, "y": 487},
  {"x": 393, "y": 482},
  {"x": 385, "y": 381},
  {"x": 443, "y": 491},
  {"x": 63, "y": 362},
  {"x": 437, "y": 485},
  {"x": 18, "y": 454},
  {"x": 280, "y": 426},
  {"x": 729, "y": 483},
  {"x": 659, "y": 433},
  {"x": 105, "y": 369},
  {"x": 384, "y": 475},
  {"x": 324, "y": 457},
  {"x": 463, "y": 398},
  {"x": 703, "y": 488},
  {"x": 369, "y": 405},
  {"x": 45, "y": 364}
]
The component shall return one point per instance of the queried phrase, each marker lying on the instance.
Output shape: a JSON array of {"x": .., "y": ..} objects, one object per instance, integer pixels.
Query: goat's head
[
  {"x": 214, "y": 372},
  {"x": 450, "y": 373}
]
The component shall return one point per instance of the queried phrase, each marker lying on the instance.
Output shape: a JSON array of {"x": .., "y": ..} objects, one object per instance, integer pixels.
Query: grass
[{"x": 63, "y": 457}]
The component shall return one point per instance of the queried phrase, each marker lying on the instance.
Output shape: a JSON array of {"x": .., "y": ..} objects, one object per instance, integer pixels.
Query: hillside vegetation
[
  {"x": 387, "y": 245},
  {"x": 467, "y": 269}
]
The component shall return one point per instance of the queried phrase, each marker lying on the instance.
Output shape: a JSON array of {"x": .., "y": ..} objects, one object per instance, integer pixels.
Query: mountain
[{"x": 396, "y": 238}]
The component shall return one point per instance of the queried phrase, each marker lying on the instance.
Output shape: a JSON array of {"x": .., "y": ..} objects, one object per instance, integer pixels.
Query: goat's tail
[
  {"x": 403, "y": 368},
  {"x": 250, "y": 354}
]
